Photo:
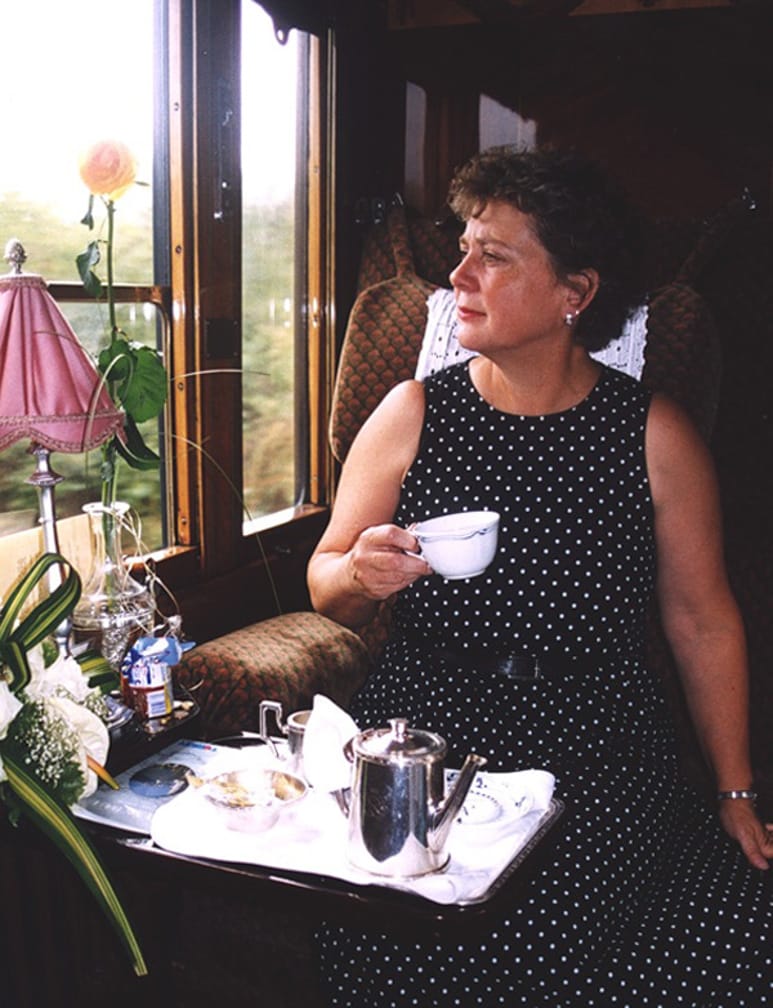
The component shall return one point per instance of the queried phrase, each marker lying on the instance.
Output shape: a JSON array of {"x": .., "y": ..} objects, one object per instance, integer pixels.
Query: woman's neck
[{"x": 535, "y": 386}]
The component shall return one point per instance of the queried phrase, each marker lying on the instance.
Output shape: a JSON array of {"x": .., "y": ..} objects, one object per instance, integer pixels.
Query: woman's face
[{"x": 507, "y": 294}]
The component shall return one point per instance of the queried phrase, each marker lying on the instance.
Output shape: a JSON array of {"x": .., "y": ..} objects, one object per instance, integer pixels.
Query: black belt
[
  {"x": 517, "y": 667},
  {"x": 514, "y": 666}
]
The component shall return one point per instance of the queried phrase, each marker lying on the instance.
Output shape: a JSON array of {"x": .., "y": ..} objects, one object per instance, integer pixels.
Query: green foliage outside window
[{"x": 268, "y": 363}]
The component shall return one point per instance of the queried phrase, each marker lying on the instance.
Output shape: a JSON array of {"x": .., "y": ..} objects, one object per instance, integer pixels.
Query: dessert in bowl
[{"x": 251, "y": 800}]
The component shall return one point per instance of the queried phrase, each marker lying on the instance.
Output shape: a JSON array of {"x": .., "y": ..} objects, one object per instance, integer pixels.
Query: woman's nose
[{"x": 459, "y": 274}]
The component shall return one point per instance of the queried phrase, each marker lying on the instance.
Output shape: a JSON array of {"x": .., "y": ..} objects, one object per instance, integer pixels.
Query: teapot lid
[{"x": 398, "y": 740}]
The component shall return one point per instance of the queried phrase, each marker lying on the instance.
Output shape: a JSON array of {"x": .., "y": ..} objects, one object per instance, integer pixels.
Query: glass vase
[{"x": 114, "y": 609}]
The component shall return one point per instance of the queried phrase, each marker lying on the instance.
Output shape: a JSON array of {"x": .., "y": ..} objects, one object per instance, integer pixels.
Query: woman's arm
[
  {"x": 700, "y": 615},
  {"x": 361, "y": 558}
]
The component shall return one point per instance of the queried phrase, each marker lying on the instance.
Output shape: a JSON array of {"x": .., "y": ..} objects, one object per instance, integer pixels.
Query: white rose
[
  {"x": 35, "y": 660},
  {"x": 64, "y": 672},
  {"x": 92, "y": 733},
  {"x": 9, "y": 707}
]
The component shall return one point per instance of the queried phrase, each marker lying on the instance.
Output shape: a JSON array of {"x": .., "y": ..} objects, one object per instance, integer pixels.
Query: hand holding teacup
[
  {"x": 384, "y": 560},
  {"x": 459, "y": 545}
]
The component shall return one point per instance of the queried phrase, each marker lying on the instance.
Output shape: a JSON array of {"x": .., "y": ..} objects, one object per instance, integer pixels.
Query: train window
[
  {"x": 273, "y": 211},
  {"x": 228, "y": 296},
  {"x": 97, "y": 83}
]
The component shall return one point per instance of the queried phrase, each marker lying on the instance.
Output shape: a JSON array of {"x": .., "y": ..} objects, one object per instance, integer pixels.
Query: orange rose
[{"x": 108, "y": 168}]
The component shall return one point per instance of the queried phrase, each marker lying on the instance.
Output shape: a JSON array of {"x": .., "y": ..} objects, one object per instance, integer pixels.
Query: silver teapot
[{"x": 399, "y": 817}]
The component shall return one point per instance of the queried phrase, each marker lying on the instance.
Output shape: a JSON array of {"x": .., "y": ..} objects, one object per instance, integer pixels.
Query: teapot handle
[{"x": 276, "y": 708}]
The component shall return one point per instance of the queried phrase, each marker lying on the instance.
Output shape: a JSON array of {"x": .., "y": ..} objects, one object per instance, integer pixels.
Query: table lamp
[{"x": 50, "y": 391}]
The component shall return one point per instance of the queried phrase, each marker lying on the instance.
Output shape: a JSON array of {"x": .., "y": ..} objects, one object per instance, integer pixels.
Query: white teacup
[{"x": 459, "y": 545}]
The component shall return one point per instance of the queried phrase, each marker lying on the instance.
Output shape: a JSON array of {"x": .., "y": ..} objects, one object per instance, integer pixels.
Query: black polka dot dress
[{"x": 647, "y": 904}]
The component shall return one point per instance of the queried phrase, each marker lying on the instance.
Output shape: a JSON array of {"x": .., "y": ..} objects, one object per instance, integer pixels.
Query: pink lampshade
[{"x": 50, "y": 389}]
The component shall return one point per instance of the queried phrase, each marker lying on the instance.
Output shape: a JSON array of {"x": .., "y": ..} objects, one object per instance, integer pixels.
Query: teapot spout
[{"x": 448, "y": 811}]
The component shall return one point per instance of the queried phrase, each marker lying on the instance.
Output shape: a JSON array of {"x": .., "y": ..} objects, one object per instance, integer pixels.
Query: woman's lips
[{"x": 465, "y": 314}]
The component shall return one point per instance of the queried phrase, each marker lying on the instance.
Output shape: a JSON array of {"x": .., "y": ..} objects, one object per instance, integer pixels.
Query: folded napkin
[{"x": 328, "y": 730}]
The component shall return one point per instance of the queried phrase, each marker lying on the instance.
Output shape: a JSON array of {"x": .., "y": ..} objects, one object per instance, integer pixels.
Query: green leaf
[
  {"x": 116, "y": 362},
  {"x": 98, "y": 670},
  {"x": 14, "y": 659},
  {"x": 88, "y": 217},
  {"x": 16, "y": 640},
  {"x": 144, "y": 394},
  {"x": 58, "y": 824},
  {"x": 85, "y": 261},
  {"x": 135, "y": 452},
  {"x": 49, "y": 612}
]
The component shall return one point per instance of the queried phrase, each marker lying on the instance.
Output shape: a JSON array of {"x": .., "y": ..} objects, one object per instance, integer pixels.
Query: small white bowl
[
  {"x": 459, "y": 545},
  {"x": 251, "y": 800}
]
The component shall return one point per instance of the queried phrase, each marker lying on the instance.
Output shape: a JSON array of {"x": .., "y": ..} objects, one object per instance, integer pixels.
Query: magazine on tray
[{"x": 148, "y": 785}]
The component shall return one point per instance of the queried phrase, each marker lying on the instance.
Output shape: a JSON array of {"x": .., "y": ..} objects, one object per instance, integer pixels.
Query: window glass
[
  {"x": 77, "y": 72},
  {"x": 269, "y": 139}
]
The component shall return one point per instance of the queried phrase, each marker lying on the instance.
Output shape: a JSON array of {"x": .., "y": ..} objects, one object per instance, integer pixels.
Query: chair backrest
[{"x": 382, "y": 340}]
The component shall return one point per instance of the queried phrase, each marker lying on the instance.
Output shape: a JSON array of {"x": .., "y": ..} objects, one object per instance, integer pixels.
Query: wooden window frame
[
  {"x": 201, "y": 312},
  {"x": 205, "y": 408}
]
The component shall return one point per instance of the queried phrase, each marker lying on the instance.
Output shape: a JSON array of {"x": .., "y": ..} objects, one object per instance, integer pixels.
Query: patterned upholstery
[
  {"x": 287, "y": 658},
  {"x": 380, "y": 350},
  {"x": 382, "y": 341},
  {"x": 408, "y": 242},
  {"x": 682, "y": 357}
]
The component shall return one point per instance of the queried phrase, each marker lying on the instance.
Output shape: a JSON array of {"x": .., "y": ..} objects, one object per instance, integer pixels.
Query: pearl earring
[{"x": 569, "y": 318}]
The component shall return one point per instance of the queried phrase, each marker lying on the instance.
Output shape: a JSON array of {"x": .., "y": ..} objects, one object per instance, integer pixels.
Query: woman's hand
[
  {"x": 362, "y": 556},
  {"x": 755, "y": 838},
  {"x": 384, "y": 560}
]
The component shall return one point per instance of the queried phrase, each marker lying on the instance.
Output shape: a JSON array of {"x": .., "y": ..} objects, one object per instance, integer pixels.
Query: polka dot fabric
[{"x": 646, "y": 904}]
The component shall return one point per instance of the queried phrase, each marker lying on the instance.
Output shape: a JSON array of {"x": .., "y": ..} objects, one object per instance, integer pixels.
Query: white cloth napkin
[
  {"x": 311, "y": 836},
  {"x": 501, "y": 816},
  {"x": 328, "y": 730}
]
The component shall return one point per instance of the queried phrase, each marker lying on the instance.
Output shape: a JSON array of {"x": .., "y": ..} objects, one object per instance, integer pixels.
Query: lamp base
[{"x": 45, "y": 479}]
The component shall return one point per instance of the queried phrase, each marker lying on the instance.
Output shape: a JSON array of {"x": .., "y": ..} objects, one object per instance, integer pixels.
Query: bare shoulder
[
  {"x": 677, "y": 455},
  {"x": 406, "y": 394},
  {"x": 393, "y": 429},
  {"x": 668, "y": 425},
  {"x": 401, "y": 409}
]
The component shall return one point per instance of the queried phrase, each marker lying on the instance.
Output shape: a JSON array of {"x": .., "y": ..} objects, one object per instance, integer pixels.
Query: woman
[{"x": 606, "y": 494}]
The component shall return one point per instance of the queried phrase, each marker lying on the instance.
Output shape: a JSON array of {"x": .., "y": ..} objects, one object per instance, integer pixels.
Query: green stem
[
  {"x": 109, "y": 451},
  {"x": 109, "y": 473},
  {"x": 110, "y": 295}
]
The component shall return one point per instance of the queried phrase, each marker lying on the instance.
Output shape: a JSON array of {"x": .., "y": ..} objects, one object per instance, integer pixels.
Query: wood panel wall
[{"x": 678, "y": 103}]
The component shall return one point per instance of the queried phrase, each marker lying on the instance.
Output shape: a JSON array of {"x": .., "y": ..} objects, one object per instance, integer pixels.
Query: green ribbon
[{"x": 16, "y": 640}]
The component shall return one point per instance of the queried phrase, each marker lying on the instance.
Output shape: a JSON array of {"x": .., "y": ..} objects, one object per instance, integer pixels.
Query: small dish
[
  {"x": 489, "y": 810},
  {"x": 252, "y": 799}
]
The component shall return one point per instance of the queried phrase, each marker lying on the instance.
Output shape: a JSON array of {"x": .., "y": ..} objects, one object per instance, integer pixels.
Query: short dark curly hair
[{"x": 582, "y": 218}]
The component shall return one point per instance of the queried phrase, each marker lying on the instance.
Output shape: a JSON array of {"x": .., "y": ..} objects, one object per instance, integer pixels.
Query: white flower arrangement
[
  {"x": 53, "y": 733},
  {"x": 59, "y": 724}
]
